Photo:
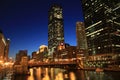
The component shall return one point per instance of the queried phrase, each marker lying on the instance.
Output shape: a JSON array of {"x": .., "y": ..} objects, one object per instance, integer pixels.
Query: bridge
[{"x": 57, "y": 64}]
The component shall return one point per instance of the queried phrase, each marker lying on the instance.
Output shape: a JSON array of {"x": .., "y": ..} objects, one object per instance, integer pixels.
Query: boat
[{"x": 99, "y": 70}]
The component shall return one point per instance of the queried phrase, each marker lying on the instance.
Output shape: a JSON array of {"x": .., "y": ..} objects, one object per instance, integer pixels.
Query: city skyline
[{"x": 26, "y": 23}]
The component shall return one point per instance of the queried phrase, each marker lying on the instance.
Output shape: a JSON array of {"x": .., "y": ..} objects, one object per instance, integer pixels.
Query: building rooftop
[{"x": 1, "y": 31}]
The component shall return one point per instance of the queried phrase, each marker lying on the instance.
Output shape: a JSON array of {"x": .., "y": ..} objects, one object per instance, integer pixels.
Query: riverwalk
[{"x": 104, "y": 69}]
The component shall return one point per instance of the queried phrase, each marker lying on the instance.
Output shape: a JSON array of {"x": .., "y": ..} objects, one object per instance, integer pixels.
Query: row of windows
[{"x": 105, "y": 50}]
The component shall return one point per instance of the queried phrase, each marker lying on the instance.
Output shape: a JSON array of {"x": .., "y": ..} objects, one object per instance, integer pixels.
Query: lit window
[
  {"x": 105, "y": 46},
  {"x": 98, "y": 33},
  {"x": 92, "y": 3},
  {"x": 88, "y": 16},
  {"x": 117, "y": 45},
  {"x": 119, "y": 55},
  {"x": 100, "y": 4},
  {"x": 86, "y": 4},
  {"x": 92, "y": 35},
  {"x": 113, "y": 45},
  {"x": 87, "y": 33},
  {"x": 96, "y": 10},
  {"x": 99, "y": 47},
  {"x": 90, "y": 49}
]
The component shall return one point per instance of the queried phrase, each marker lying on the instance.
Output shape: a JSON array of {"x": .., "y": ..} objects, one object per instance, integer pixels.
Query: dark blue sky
[{"x": 25, "y": 22}]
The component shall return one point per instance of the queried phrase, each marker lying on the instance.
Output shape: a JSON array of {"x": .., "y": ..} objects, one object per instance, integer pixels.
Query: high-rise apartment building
[
  {"x": 102, "y": 25},
  {"x": 55, "y": 28},
  {"x": 81, "y": 37}
]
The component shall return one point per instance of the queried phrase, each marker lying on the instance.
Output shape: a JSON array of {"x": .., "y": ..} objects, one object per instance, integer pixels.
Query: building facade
[
  {"x": 42, "y": 53},
  {"x": 102, "y": 26},
  {"x": 34, "y": 55},
  {"x": 7, "y": 50},
  {"x": 20, "y": 54},
  {"x": 81, "y": 37},
  {"x": 4, "y": 47},
  {"x": 55, "y": 28},
  {"x": 43, "y": 49}
]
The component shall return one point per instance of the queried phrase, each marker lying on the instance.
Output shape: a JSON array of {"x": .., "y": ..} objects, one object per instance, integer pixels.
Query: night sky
[{"x": 25, "y": 22}]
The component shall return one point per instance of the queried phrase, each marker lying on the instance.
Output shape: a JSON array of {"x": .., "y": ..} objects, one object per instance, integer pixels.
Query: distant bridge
[{"x": 57, "y": 64}]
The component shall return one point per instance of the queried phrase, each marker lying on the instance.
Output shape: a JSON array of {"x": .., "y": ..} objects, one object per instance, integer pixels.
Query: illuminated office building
[
  {"x": 7, "y": 50},
  {"x": 55, "y": 28},
  {"x": 102, "y": 25},
  {"x": 4, "y": 47},
  {"x": 81, "y": 37}
]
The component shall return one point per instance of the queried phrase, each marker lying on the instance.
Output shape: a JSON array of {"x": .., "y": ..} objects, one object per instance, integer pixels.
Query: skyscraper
[
  {"x": 102, "y": 25},
  {"x": 81, "y": 37},
  {"x": 7, "y": 49},
  {"x": 4, "y": 47},
  {"x": 55, "y": 28}
]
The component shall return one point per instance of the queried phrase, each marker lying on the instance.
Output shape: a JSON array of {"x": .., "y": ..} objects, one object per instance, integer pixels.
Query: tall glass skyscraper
[
  {"x": 55, "y": 28},
  {"x": 102, "y": 26}
]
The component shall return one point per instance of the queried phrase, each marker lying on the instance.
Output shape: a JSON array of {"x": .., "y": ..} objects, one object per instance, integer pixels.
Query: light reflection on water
[
  {"x": 72, "y": 76},
  {"x": 31, "y": 77},
  {"x": 46, "y": 76},
  {"x": 61, "y": 74}
]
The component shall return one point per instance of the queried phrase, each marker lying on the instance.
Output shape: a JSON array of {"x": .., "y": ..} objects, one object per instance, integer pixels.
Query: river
[{"x": 62, "y": 74}]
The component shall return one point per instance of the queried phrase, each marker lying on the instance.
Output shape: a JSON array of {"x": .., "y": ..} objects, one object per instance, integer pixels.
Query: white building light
[
  {"x": 3, "y": 41},
  {"x": 95, "y": 32},
  {"x": 94, "y": 25}
]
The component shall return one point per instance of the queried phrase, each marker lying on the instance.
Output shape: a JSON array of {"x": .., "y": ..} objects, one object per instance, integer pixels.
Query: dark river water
[{"x": 62, "y": 74}]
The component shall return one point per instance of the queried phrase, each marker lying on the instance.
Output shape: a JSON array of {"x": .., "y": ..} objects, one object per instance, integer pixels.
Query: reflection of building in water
[
  {"x": 91, "y": 75},
  {"x": 46, "y": 76},
  {"x": 80, "y": 74},
  {"x": 52, "y": 73},
  {"x": 38, "y": 73},
  {"x": 31, "y": 77},
  {"x": 59, "y": 76},
  {"x": 72, "y": 76}
]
